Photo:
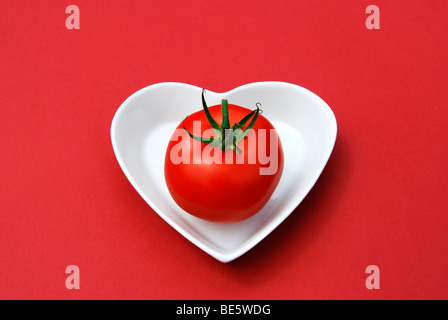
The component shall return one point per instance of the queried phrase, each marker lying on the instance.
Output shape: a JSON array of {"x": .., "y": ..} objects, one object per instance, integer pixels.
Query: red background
[{"x": 381, "y": 199}]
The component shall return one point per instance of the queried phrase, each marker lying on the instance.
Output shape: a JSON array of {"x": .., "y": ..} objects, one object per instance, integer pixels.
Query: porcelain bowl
[{"x": 144, "y": 123}]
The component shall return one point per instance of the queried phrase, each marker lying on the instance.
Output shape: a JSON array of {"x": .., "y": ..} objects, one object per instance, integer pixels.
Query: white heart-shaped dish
[{"x": 144, "y": 123}]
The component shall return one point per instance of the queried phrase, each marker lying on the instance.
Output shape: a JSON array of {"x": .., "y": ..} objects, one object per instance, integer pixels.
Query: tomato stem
[
  {"x": 225, "y": 114},
  {"x": 226, "y": 137}
]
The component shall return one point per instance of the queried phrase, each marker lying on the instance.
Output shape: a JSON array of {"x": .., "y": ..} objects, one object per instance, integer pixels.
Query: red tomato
[{"x": 223, "y": 192}]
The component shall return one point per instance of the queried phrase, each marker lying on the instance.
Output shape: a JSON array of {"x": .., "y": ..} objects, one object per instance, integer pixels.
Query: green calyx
[{"x": 226, "y": 136}]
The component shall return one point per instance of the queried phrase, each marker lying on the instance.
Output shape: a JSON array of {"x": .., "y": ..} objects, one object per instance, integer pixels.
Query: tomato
[{"x": 223, "y": 175}]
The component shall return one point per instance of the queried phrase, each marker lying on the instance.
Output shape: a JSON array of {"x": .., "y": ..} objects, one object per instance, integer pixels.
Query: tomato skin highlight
[{"x": 222, "y": 192}]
